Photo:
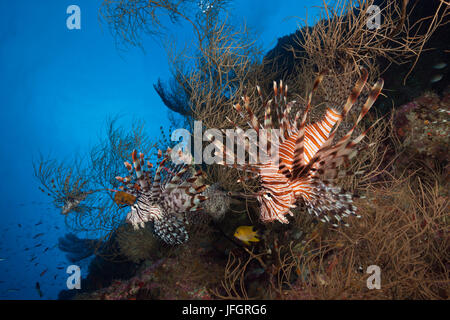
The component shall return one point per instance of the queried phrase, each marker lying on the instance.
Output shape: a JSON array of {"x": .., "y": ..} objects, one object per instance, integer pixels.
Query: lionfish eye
[{"x": 267, "y": 195}]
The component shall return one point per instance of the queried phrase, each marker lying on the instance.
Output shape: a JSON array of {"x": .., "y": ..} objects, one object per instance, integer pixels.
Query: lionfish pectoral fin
[
  {"x": 373, "y": 95},
  {"x": 171, "y": 230},
  {"x": 299, "y": 156},
  {"x": 330, "y": 203}
]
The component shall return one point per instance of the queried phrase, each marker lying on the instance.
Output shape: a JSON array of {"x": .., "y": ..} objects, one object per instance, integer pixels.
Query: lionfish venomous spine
[
  {"x": 163, "y": 200},
  {"x": 307, "y": 162}
]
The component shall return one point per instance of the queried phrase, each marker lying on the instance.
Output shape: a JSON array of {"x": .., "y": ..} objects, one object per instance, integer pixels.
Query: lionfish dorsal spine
[{"x": 142, "y": 182}]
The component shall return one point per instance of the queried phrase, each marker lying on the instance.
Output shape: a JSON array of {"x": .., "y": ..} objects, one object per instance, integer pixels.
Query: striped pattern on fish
[
  {"x": 163, "y": 200},
  {"x": 307, "y": 162}
]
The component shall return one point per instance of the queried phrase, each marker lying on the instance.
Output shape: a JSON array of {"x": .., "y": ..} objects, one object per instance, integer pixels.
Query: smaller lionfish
[
  {"x": 307, "y": 161},
  {"x": 165, "y": 200},
  {"x": 69, "y": 194}
]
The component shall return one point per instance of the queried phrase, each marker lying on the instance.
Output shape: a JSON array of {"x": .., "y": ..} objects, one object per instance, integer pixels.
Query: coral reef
[
  {"x": 402, "y": 231},
  {"x": 187, "y": 275},
  {"x": 137, "y": 245},
  {"x": 423, "y": 124}
]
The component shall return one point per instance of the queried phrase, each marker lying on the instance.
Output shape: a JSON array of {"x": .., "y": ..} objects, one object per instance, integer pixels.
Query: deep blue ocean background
[{"x": 58, "y": 87}]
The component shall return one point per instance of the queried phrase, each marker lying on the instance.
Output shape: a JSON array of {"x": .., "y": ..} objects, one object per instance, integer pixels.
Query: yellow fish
[
  {"x": 246, "y": 234},
  {"x": 125, "y": 198}
]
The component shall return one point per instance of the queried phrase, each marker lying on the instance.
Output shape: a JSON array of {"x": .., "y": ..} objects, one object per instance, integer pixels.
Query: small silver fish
[
  {"x": 436, "y": 78},
  {"x": 1, "y": 259},
  {"x": 440, "y": 65}
]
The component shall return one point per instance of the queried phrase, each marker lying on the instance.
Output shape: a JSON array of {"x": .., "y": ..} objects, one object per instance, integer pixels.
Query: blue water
[{"x": 58, "y": 87}]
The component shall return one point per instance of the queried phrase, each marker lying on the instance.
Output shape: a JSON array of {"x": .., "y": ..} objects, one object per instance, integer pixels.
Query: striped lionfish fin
[
  {"x": 128, "y": 179},
  {"x": 330, "y": 203},
  {"x": 156, "y": 185},
  {"x": 175, "y": 179},
  {"x": 327, "y": 201},
  {"x": 299, "y": 160},
  {"x": 171, "y": 229},
  {"x": 183, "y": 193},
  {"x": 268, "y": 119},
  {"x": 344, "y": 150},
  {"x": 253, "y": 121},
  {"x": 373, "y": 95},
  {"x": 138, "y": 164},
  {"x": 280, "y": 105},
  {"x": 356, "y": 91},
  {"x": 354, "y": 94},
  {"x": 316, "y": 134},
  {"x": 195, "y": 191}
]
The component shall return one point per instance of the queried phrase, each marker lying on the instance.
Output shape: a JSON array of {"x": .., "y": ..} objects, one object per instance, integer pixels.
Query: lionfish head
[
  {"x": 275, "y": 199},
  {"x": 269, "y": 203}
]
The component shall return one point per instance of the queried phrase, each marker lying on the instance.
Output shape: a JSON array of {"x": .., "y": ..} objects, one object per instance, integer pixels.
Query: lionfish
[
  {"x": 163, "y": 200},
  {"x": 307, "y": 161},
  {"x": 70, "y": 193}
]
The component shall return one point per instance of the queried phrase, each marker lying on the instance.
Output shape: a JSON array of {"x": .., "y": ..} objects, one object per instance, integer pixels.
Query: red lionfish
[
  {"x": 307, "y": 162},
  {"x": 164, "y": 200}
]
